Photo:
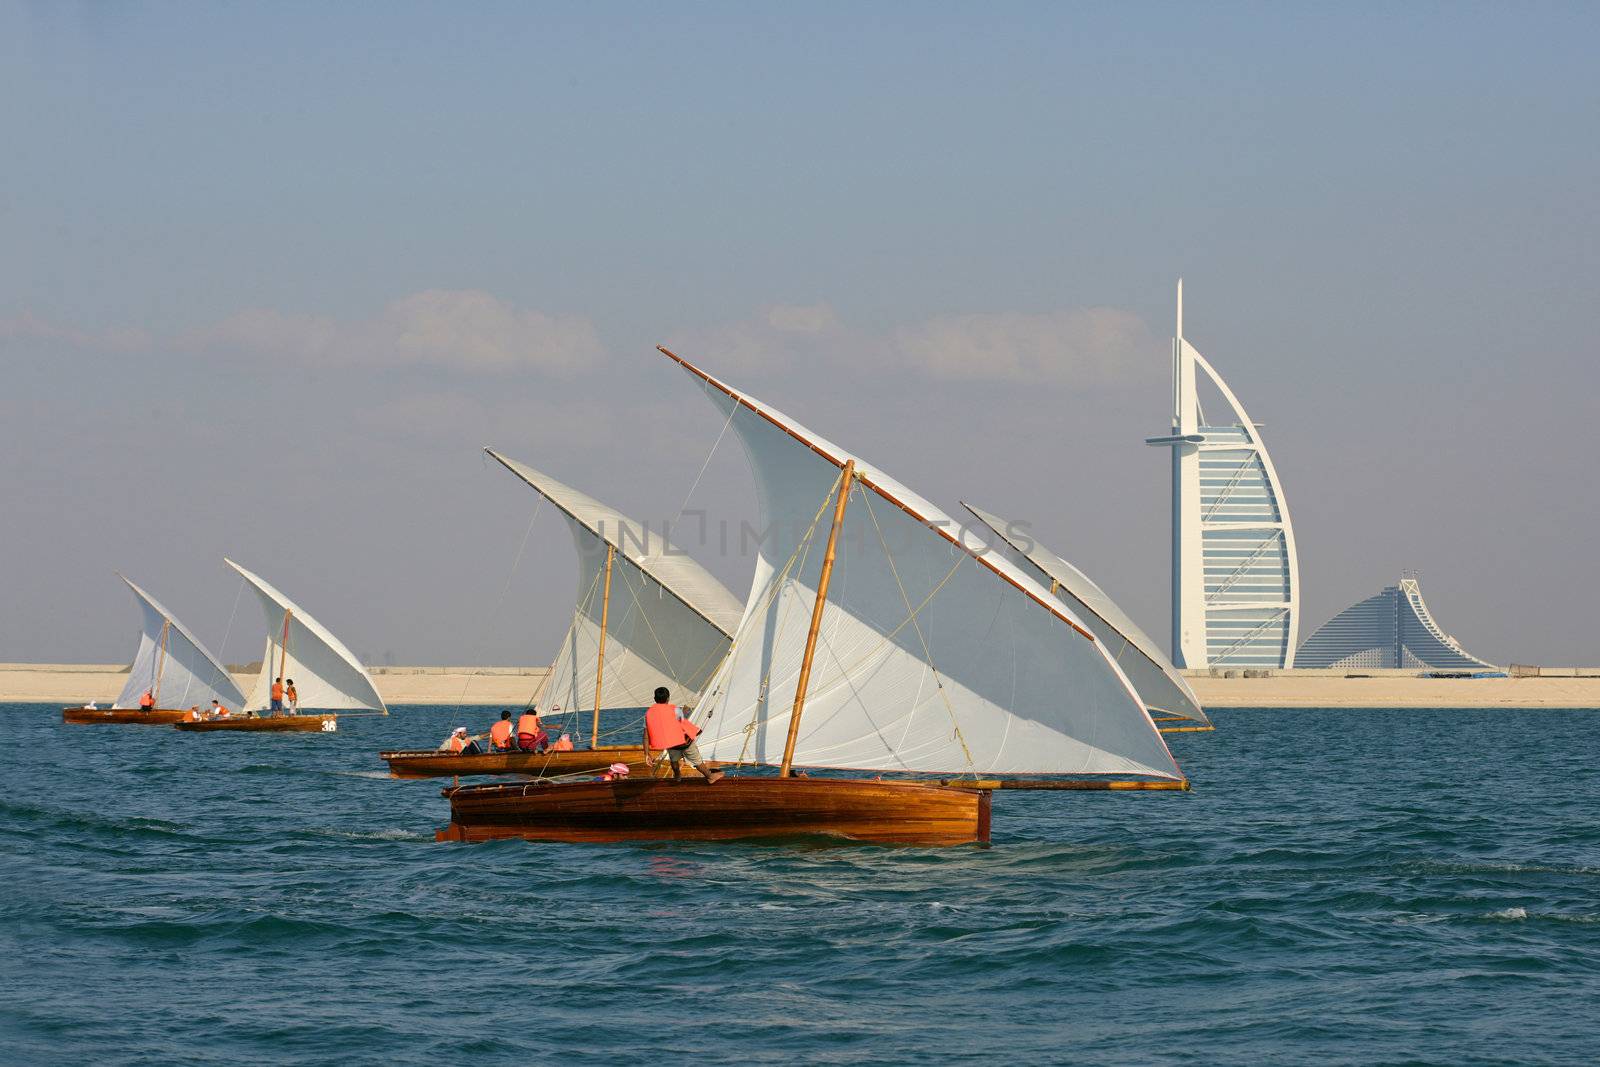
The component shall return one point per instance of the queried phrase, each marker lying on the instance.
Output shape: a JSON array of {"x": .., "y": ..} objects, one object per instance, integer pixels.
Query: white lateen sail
[
  {"x": 931, "y": 657},
  {"x": 1154, "y": 677},
  {"x": 668, "y": 622},
  {"x": 327, "y": 675},
  {"x": 179, "y": 671}
]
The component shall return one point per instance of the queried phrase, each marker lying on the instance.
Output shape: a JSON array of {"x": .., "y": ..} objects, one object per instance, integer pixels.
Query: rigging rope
[
  {"x": 483, "y": 636},
  {"x": 696, "y": 483},
  {"x": 922, "y": 638}
]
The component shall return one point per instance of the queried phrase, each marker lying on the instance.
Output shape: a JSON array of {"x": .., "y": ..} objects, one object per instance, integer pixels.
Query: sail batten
[
  {"x": 327, "y": 675},
  {"x": 667, "y": 621},
  {"x": 931, "y": 657},
  {"x": 173, "y": 663}
]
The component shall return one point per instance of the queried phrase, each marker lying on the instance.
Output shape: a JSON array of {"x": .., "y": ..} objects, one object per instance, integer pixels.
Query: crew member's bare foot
[{"x": 714, "y": 777}]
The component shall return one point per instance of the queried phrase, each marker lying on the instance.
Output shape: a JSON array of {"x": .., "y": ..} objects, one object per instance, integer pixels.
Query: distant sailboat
[
  {"x": 1156, "y": 680},
  {"x": 326, "y": 674},
  {"x": 646, "y": 615},
  {"x": 172, "y": 665},
  {"x": 873, "y": 642}
]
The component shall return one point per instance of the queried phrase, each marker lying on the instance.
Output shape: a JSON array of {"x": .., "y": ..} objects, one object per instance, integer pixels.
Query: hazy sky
[{"x": 271, "y": 275}]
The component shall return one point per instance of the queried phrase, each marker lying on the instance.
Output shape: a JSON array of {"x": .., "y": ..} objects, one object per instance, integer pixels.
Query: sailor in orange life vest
[
  {"x": 291, "y": 699},
  {"x": 148, "y": 701},
  {"x": 459, "y": 744},
  {"x": 218, "y": 711},
  {"x": 500, "y": 734},
  {"x": 277, "y": 697},
  {"x": 531, "y": 736},
  {"x": 666, "y": 730}
]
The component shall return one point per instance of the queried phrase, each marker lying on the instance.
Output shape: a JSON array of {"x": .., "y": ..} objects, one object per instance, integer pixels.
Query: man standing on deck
[
  {"x": 147, "y": 702},
  {"x": 277, "y": 697},
  {"x": 666, "y": 730},
  {"x": 291, "y": 699}
]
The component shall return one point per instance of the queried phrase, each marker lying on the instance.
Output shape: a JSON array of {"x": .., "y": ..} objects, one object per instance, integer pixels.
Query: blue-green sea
[{"x": 1340, "y": 887}]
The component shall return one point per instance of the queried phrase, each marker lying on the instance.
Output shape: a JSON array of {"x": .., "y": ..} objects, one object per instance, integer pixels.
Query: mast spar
[
  {"x": 161, "y": 663},
  {"x": 283, "y": 652},
  {"x": 845, "y": 479},
  {"x": 600, "y": 659}
]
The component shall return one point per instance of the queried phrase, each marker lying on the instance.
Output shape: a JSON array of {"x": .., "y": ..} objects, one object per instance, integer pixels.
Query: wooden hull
[
  {"x": 879, "y": 812},
  {"x": 308, "y": 724},
  {"x": 123, "y": 716},
  {"x": 432, "y": 764}
]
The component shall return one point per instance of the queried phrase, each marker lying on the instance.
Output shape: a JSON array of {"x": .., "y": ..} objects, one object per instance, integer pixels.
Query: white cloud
[
  {"x": 29, "y": 327},
  {"x": 778, "y": 335},
  {"x": 455, "y": 329},
  {"x": 1079, "y": 347}
]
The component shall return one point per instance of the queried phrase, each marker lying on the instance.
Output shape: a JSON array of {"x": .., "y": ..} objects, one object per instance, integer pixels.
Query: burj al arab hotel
[{"x": 1235, "y": 575}]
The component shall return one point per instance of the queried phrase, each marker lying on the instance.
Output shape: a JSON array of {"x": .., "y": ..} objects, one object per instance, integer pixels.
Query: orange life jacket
[
  {"x": 277, "y": 690},
  {"x": 663, "y": 729},
  {"x": 222, "y": 711},
  {"x": 457, "y": 743},
  {"x": 528, "y": 723},
  {"x": 500, "y": 733},
  {"x": 563, "y": 744},
  {"x": 147, "y": 701},
  {"x": 294, "y": 697}
]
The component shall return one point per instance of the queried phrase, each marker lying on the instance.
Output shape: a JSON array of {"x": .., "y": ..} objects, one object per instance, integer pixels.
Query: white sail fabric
[
  {"x": 669, "y": 623},
  {"x": 1153, "y": 676},
  {"x": 931, "y": 658},
  {"x": 327, "y": 675},
  {"x": 171, "y": 662}
]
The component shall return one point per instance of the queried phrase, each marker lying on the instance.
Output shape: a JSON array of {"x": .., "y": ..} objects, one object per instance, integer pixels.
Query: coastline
[
  {"x": 75, "y": 683},
  {"x": 68, "y": 683}
]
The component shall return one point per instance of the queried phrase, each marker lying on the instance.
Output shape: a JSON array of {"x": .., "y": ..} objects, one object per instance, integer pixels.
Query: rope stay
[
  {"x": 911, "y": 617},
  {"x": 505, "y": 588}
]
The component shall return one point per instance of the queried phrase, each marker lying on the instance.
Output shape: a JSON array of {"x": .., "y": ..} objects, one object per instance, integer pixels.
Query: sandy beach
[
  {"x": 78, "y": 682},
  {"x": 74, "y": 683}
]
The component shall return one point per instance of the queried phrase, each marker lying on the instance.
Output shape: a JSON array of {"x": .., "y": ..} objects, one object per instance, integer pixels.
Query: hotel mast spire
[{"x": 1235, "y": 573}]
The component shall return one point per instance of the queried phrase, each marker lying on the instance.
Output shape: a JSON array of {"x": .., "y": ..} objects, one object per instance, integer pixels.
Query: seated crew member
[
  {"x": 531, "y": 736},
  {"x": 148, "y": 701},
  {"x": 500, "y": 734},
  {"x": 277, "y": 696},
  {"x": 459, "y": 744},
  {"x": 563, "y": 744},
  {"x": 666, "y": 730},
  {"x": 291, "y": 699},
  {"x": 194, "y": 713},
  {"x": 218, "y": 711}
]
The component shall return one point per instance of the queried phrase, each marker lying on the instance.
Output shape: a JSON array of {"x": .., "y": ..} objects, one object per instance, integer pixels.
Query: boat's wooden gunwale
[
  {"x": 430, "y": 763},
  {"x": 867, "y": 810},
  {"x": 263, "y": 724},
  {"x": 123, "y": 716}
]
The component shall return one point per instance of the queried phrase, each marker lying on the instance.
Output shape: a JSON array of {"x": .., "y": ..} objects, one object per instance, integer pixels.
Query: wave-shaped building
[
  {"x": 1235, "y": 574},
  {"x": 1392, "y": 629}
]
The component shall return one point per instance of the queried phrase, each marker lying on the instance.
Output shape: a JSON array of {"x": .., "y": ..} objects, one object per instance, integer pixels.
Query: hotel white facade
[
  {"x": 1235, "y": 574},
  {"x": 1393, "y": 630}
]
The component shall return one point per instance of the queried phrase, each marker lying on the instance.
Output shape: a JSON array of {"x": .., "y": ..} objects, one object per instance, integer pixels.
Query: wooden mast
[
  {"x": 600, "y": 660},
  {"x": 283, "y": 654},
  {"x": 161, "y": 664},
  {"x": 816, "y": 618}
]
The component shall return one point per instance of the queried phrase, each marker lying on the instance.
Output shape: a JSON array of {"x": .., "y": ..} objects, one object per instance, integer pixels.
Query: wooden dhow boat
[
  {"x": 646, "y": 615},
  {"x": 171, "y": 664},
  {"x": 877, "y": 642},
  {"x": 1173, "y": 706},
  {"x": 431, "y": 763},
  {"x": 326, "y": 674}
]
